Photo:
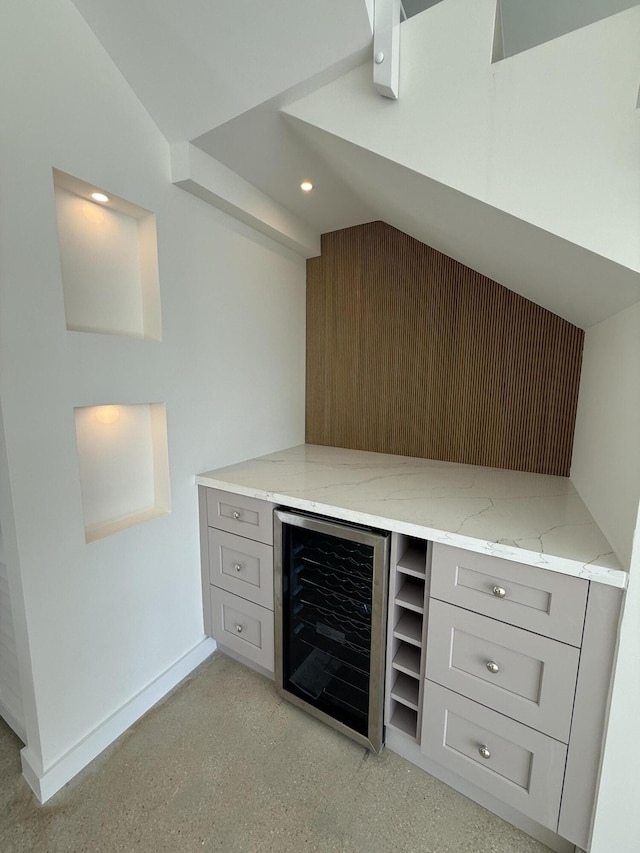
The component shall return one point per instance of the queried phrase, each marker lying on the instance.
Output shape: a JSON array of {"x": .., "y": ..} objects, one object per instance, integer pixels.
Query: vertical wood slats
[{"x": 411, "y": 352}]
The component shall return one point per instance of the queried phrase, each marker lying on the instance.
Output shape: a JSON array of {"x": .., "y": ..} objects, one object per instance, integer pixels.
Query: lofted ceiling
[{"x": 219, "y": 75}]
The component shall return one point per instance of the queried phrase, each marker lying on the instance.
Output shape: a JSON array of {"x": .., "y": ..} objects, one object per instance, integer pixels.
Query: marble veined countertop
[{"x": 535, "y": 519}]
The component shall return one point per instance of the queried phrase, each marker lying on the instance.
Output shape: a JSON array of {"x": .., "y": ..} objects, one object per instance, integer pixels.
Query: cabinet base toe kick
[{"x": 403, "y": 746}]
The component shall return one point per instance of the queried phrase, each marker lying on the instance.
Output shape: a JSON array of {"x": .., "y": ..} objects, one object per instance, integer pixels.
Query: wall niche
[
  {"x": 124, "y": 467},
  {"x": 410, "y": 352},
  {"x": 109, "y": 261}
]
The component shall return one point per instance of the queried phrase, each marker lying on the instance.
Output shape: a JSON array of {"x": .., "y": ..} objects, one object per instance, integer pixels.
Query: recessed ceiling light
[
  {"x": 101, "y": 197},
  {"x": 306, "y": 186}
]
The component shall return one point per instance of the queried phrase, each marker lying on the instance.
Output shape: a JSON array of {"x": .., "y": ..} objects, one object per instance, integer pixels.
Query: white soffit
[{"x": 210, "y": 180}]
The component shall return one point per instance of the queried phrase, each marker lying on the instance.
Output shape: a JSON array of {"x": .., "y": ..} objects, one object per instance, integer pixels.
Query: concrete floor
[{"x": 224, "y": 764}]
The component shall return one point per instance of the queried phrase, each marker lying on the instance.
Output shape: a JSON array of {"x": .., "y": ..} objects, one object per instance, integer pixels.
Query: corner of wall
[
  {"x": 46, "y": 782},
  {"x": 605, "y": 467}
]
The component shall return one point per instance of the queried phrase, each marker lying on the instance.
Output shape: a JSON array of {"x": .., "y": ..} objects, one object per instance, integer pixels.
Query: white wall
[
  {"x": 102, "y": 620},
  {"x": 606, "y": 471},
  {"x": 617, "y": 823},
  {"x": 10, "y": 693},
  {"x": 605, "y": 467},
  {"x": 526, "y": 24}
]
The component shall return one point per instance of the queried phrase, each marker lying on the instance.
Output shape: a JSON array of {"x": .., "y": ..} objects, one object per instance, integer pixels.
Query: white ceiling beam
[{"x": 207, "y": 178}]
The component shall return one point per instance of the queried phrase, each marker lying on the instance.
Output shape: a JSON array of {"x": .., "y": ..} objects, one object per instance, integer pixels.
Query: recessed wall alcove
[
  {"x": 124, "y": 468},
  {"x": 109, "y": 261}
]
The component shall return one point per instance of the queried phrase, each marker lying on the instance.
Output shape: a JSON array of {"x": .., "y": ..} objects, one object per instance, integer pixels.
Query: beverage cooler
[{"x": 330, "y": 617}]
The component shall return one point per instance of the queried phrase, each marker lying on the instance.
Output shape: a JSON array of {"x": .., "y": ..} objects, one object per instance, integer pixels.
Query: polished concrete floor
[{"x": 224, "y": 764}]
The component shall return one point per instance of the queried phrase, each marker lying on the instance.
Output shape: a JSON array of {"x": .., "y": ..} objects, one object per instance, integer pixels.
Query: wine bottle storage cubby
[{"x": 407, "y": 629}]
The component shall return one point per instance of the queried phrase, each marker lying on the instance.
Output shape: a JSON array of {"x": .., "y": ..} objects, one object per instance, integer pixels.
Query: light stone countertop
[{"x": 535, "y": 519}]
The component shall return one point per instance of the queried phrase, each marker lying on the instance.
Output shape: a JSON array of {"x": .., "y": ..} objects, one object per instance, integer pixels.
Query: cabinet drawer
[
  {"x": 239, "y": 514},
  {"x": 515, "y": 672},
  {"x": 546, "y": 602},
  {"x": 242, "y": 626},
  {"x": 513, "y": 762},
  {"x": 241, "y": 566}
]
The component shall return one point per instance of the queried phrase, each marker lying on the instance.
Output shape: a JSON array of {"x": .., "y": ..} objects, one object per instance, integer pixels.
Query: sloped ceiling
[
  {"x": 578, "y": 285},
  {"x": 219, "y": 75},
  {"x": 196, "y": 64}
]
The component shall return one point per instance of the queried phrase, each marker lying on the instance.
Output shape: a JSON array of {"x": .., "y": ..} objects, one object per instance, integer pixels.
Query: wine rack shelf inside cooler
[{"x": 407, "y": 629}]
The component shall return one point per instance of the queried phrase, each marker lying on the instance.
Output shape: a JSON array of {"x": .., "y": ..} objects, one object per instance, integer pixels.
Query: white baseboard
[{"x": 45, "y": 783}]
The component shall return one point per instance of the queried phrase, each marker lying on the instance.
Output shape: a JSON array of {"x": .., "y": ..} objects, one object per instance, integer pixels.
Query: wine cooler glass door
[{"x": 330, "y": 590}]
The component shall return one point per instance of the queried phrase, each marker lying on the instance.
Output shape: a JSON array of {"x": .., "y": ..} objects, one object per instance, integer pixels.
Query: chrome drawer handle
[
  {"x": 238, "y": 567},
  {"x": 499, "y": 591},
  {"x": 485, "y": 752},
  {"x": 493, "y": 667},
  {"x": 236, "y": 515},
  {"x": 239, "y": 629}
]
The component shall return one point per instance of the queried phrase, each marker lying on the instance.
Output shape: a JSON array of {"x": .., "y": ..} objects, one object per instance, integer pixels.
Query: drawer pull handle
[
  {"x": 239, "y": 567},
  {"x": 239, "y": 629},
  {"x": 236, "y": 515},
  {"x": 499, "y": 591},
  {"x": 485, "y": 752},
  {"x": 493, "y": 667}
]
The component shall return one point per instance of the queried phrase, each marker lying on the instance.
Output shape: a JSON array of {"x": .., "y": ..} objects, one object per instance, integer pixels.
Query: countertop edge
[{"x": 588, "y": 571}]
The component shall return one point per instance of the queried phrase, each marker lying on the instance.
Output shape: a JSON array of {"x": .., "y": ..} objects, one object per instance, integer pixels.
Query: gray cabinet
[
  {"x": 515, "y": 763},
  {"x": 545, "y": 602},
  {"x": 241, "y": 566},
  {"x": 520, "y": 674},
  {"x": 243, "y": 627},
  {"x": 498, "y": 673},
  {"x": 236, "y": 535},
  {"x": 240, "y": 515},
  {"x": 515, "y": 666}
]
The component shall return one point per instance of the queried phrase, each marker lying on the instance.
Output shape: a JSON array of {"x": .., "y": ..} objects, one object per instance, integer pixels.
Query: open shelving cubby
[
  {"x": 408, "y": 592},
  {"x": 124, "y": 467},
  {"x": 109, "y": 261}
]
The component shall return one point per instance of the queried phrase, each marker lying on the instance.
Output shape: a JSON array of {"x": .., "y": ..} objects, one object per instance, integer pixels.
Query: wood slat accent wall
[{"x": 411, "y": 352}]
